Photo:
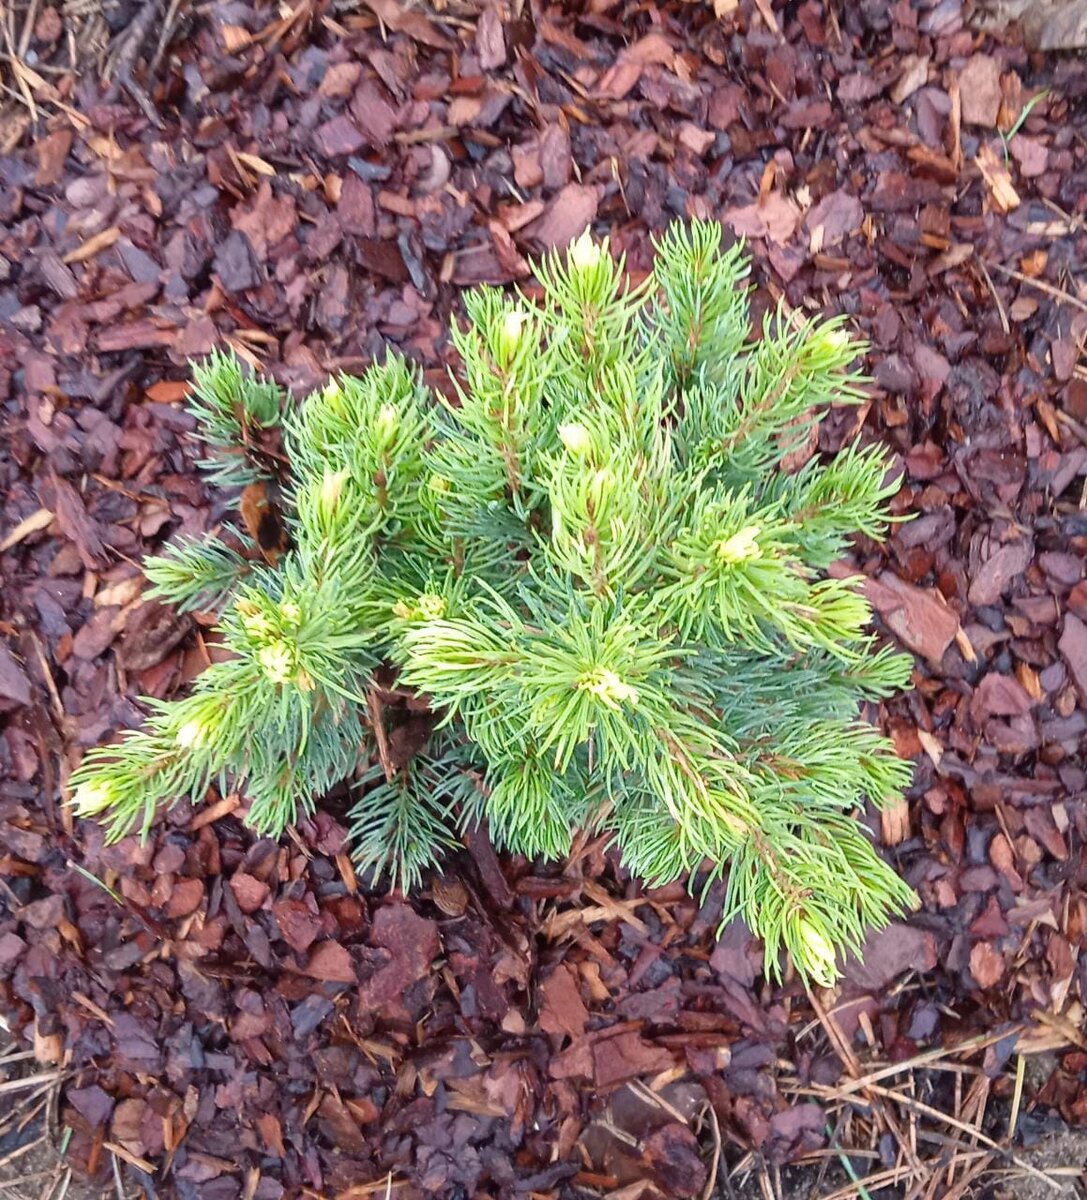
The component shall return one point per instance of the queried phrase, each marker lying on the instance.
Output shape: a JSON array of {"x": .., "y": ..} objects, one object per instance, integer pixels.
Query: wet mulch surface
[{"x": 244, "y": 1017}]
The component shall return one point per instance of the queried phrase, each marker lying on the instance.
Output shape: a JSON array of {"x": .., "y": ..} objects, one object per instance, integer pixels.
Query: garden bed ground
[{"x": 308, "y": 183}]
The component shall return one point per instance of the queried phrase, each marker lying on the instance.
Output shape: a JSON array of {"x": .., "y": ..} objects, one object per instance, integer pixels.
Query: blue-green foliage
[{"x": 597, "y": 571}]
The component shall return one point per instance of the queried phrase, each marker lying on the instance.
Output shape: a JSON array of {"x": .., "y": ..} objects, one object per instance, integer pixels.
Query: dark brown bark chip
[
  {"x": 152, "y": 631},
  {"x": 1073, "y": 646},
  {"x": 339, "y": 137},
  {"x": 236, "y": 264},
  {"x": 1005, "y": 565},
  {"x": 890, "y": 953},
  {"x": 92, "y": 1103},
  {"x": 567, "y": 216},
  {"x": 76, "y": 524},
  {"x": 671, "y": 1156},
  {"x": 14, "y": 684},
  {"x": 383, "y": 258}
]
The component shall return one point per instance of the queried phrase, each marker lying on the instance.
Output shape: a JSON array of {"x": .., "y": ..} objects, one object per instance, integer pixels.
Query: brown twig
[
  {"x": 16, "y": 1085},
  {"x": 993, "y": 292},
  {"x": 925, "y": 1059},
  {"x": 947, "y": 1119},
  {"x": 377, "y": 723},
  {"x": 50, "y": 683},
  {"x": 715, "y": 1161},
  {"x": 1040, "y": 284},
  {"x": 845, "y": 1051},
  {"x": 127, "y": 52},
  {"x": 1079, "y": 429}
]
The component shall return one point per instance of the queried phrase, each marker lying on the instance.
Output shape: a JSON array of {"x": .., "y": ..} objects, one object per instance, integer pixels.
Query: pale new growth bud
[
  {"x": 93, "y": 796},
  {"x": 256, "y": 624},
  {"x": 388, "y": 419},
  {"x": 835, "y": 339},
  {"x": 437, "y": 483},
  {"x": 741, "y": 546},
  {"x": 292, "y": 614},
  {"x": 585, "y": 253},
  {"x": 431, "y": 607},
  {"x": 331, "y": 490},
  {"x": 427, "y": 607},
  {"x": 576, "y": 438},
  {"x": 605, "y": 685},
  {"x": 193, "y": 734},
  {"x": 277, "y": 661},
  {"x": 817, "y": 956},
  {"x": 510, "y": 335},
  {"x": 332, "y": 397}
]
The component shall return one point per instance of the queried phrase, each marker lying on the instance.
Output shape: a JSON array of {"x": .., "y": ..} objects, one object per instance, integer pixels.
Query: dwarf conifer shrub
[{"x": 593, "y": 572}]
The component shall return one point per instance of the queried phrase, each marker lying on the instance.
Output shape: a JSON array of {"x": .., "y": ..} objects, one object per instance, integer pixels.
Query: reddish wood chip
[
  {"x": 11, "y": 949},
  {"x": 1073, "y": 648},
  {"x": 271, "y": 1130},
  {"x": 979, "y": 87},
  {"x": 76, "y": 524},
  {"x": 915, "y": 615},
  {"x": 298, "y": 924},
  {"x": 999, "y": 696},
  {"x": 356, "y": 207},
  {"x": 567, "y": 215},
  {"x": 185, "y": 898},
  {"x": 331, "y": 963},
  {"x": 339, "y": 137},
  {"x": 49, "y": 25},
  {"x": 986, "y": 965},
  {"x": 249, "y": 892},
  {"x": 268, "y": 219},
  {"x": 626, "y": 1056},
  {"x": 833, "y": 218},
  {"x": 374, "y": 117},
  {"x": 135, "y": 335},
  {"x": 562, "y": 1011},
  {"x": 52, "y": 153},
  {"x": 998, "y": 572},
  {"x": 413, "y": 943},
  {"x": 339, "y": 80},
  {"x": 775, "y": 217}
]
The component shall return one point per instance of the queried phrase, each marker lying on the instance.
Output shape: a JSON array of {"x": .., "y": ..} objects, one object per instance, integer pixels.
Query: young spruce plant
[{"x": 592, "y": 569}]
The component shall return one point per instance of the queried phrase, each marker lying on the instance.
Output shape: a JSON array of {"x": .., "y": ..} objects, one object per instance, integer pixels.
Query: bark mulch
[{"x": 309, "y": 183}]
